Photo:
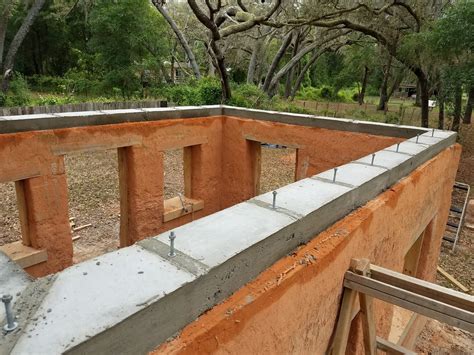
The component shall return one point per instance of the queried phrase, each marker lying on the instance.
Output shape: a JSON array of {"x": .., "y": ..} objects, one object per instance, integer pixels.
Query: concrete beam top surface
[
  {"x": 352, "y": 174},
  {"x": 302, "y": 197},
  {"x": 21, "y": 123},
  {"x": 95, "y": 295},
  {"x": 216, "y": 238},
  {"x": 13, "y": 279}
]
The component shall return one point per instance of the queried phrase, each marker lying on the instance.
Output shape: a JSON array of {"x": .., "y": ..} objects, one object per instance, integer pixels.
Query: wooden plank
[
  {"x": 174, "y": 209},
  {"x": 368, "y": 324},
  {"x": 362, "y": 267},
  {"x": 123, "y": 189},
  {"x": 391, "y": 348},
  {"x": 23, "y": 255},
  {"x": 408, "y": 328},
  {"x": 23, "y": 211},
  {"x": 264, "y": 140},
  {"x": 422, "y": 287},
  {"x": 256, "y": 149},
  {"x": 87, "y": 146},
  {"x": 413, "y": 256},
  {"x": 188, "y": 170},
  {"x": 341, "y": 336},
  {"x": 452, "y": 279},
  {"x": 429, "y": 307}
]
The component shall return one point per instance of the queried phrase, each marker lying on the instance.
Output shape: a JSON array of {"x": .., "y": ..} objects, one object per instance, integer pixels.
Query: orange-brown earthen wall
[
  {"x": 225, "y": 166},
  {"x": 292, "y": 307}
]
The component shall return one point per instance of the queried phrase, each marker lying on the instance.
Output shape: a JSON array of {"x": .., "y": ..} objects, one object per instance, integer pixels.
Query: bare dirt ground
[
  {"x": 94, "y": 198},
  {"x": 438, "y": 338}
]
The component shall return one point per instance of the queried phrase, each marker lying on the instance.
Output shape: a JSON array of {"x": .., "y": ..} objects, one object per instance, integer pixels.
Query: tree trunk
[
  {"x": 418, "y": 94},
  {"x": 286, "y": 68},
  {"x": 382, "y": 106},
  {"x": 17, "y": 41},
  {"x": 253, "y": 61},
  {"x": 441, "y": 113},
  {"x": 221, "y": 67},
  {"x": 276, "y": 61},
  {"x": 457, "y": 107},
  {"x": 440, "y": 97},
  {"x": 172, "y": 71},
  {"x": 299, "y": 79},
  {"x": 4, "y": 17},
  {"x": 365, "y": 78},
  {"x": 470, "y": 103},
  {"x": 182, "y": 40},
  {"x": 289, "y": 77},
  {"x": 424, "y": 97}
]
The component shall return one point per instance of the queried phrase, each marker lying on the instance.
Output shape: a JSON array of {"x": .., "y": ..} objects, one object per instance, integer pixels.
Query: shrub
[
  {"x": 210, "y": 92},
  {"x": 327, "y": 93},
  {"x": 18, "y": 94},
  {"x": 250, "y": 96},
  {"x": 309, "y": 93},
  {"x": 182, "y": 95},
  {"x": 52, "y": 84},
  {"x": 392, "y": 117}
]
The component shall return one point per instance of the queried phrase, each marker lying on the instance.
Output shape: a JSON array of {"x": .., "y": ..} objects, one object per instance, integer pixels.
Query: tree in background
[
  {"x": 126, "y": 39},
  {"x": 450, "y": 42},
  {"x": 7, "y": 61}
]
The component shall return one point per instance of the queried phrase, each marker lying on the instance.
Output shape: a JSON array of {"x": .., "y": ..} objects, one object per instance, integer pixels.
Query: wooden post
[
  {"x": 188, "y": 171},
  {"x": 362, "y": 267},
  {"x": 23, "y": 212},
  {"x": 341, "y": 336}
]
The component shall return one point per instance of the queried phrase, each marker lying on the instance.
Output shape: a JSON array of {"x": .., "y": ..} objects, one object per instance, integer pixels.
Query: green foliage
[
  {"x": 206, "y": 91},
  {"x": 46, "y": 83},
  {"x": 327, "y": 93},
  {"x": 19, "y": 93},
  {"x": 251, "y": 96},
  {"x": 209, "y": 91},
  {"x": 126, "y": 35}
]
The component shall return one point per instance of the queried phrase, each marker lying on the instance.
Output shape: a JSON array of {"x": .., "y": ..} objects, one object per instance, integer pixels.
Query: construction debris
[{"x": 451, "y": 279}]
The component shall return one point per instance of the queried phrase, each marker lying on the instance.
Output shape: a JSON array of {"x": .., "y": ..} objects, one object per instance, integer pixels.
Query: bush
[
  {"x": 209, "y": 91},
  {"x": 392, "y": 117},
  {"x": 182, "y": 95},
  {"x": 44, "y": 83},
  {"x": 309, "y": 93},
  {"x": 290, "y": 107},
  {"x": 327, "y": 93},
  {"x": 18, "y": 94},
  {"x": 52, "y": 100},
  {"x": 81, "y": 83},
  {"x": 250, "y": 96},
  {"x": 206, "y": 91}
]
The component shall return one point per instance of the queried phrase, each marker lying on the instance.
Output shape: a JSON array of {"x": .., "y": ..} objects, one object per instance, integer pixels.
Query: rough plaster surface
[
  {"x": 141, "y": 288},
  {"x": 223, "y": 174},
  {"x": 292, "y": 306}
]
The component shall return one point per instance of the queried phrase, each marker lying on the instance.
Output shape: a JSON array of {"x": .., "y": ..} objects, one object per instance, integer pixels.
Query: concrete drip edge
[
  {"x": 25, "y": 123},
  {"x": 350, "y": 200}
]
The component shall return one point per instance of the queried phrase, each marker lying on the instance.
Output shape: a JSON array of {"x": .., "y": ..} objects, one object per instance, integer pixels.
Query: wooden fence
[
  {"x": 86, "y": 106},
  {"x": 403, "y": 113}
]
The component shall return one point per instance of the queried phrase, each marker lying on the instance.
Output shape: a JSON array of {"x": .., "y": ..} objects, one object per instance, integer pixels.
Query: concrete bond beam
[{"x": 133, "y": 299}]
